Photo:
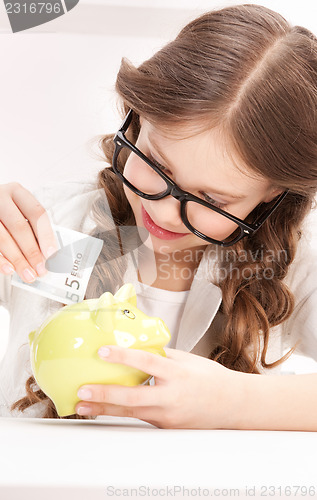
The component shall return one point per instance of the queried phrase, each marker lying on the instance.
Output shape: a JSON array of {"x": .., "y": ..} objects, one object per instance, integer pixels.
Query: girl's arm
[
  {"x": 286, "y": 402},
  {"x": 277, "y": 402}
]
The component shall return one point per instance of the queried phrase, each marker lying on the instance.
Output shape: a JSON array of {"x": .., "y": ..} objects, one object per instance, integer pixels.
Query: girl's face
[{"x": 200, "y": 165}]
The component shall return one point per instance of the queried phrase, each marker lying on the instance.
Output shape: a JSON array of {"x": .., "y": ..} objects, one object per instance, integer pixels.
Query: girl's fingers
[
  {"x": 153, "y": 364},
  {"x": 38, "y": 219},
  {"x": 121, "y": 395},
  {"x": 13, "y": 255},
  {"x": 147, "y": 414},
  {"x": 5, "y": 266},
  {"x": 176, "y": 354},
  {"x": 18, "y": 235}
]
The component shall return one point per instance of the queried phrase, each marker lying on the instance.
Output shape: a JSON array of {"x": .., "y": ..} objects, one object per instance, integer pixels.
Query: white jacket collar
[{"x": 202, "y": 304}]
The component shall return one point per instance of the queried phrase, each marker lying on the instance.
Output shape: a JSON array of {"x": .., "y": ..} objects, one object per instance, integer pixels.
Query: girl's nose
[{"x": 168, "y": 214}]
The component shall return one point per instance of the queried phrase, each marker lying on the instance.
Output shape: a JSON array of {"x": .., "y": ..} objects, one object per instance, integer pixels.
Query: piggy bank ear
[
  {"x": 105, "y": 300},
  {"x": 126, "y": 293},
  {"x": 102, "y": 313}
]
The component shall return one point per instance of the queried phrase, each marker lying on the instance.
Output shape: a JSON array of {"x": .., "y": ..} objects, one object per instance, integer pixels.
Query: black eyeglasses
[{"x": 197, "y": 214}]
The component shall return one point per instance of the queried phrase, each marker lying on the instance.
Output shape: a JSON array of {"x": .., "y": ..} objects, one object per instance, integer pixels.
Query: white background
[{"x": 57, "y": 84}]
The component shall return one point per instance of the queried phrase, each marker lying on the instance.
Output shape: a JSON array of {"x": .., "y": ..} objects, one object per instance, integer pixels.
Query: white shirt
[{"x": 70, "y": 204}]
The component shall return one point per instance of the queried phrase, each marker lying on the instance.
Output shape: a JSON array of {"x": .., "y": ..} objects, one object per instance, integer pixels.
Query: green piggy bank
[{"x": 64, "y": 350}]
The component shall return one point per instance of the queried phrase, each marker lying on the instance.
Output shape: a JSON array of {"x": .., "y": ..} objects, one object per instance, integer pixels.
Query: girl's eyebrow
[{"x": 212, "y": 190}]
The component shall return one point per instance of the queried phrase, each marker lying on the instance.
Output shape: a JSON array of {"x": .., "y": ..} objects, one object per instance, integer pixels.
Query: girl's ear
[{"x": 272, "y": 194}]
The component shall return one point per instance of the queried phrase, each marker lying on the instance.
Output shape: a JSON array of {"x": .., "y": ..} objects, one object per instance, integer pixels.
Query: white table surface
[{"x": 48, "y": 458}]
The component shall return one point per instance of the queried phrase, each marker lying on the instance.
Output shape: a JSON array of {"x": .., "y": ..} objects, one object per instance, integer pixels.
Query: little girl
[{"x": 216, "y": 160}]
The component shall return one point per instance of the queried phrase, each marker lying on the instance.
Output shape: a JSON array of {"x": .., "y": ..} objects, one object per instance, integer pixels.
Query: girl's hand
[
  {"x": 190, "y": 391},
  {"x": 25, "y": 233}
]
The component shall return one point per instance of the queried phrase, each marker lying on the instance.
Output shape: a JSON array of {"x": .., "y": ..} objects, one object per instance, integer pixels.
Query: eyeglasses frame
[{"x": 183, "y": 196}]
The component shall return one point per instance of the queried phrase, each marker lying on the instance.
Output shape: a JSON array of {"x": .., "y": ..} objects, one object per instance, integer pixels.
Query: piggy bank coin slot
[{"x": 129, "y": 313}]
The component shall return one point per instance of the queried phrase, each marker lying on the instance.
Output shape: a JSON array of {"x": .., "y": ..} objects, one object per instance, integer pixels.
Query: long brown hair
[{"x": 245, "y": 70}]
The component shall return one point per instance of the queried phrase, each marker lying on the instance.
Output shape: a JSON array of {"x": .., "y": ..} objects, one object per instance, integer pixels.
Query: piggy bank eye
[{"x": 129, "y": 314}]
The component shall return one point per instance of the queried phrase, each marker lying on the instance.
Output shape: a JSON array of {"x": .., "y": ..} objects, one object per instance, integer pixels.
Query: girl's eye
[
  {"x": 157, "y": 164},
  {"x": 207, "y": 198},
  {"x": 214, "y": 202}
]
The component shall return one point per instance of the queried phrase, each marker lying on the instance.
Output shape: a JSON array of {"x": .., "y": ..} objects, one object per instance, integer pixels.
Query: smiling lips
[{"x": 158, "y": 231}]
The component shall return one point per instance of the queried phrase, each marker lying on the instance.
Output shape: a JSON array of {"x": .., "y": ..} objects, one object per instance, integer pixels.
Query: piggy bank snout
[{"x": 162, "y": 329}]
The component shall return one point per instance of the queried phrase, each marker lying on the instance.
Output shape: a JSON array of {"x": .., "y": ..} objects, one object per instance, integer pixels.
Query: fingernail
[
  {"x": 84, "y": 410},
  {"x": 41, "y": 269},
  {"x": 29, "y": 275},
  {"x": 7, "y": 269},
  {"x": 49, "y": 252},
  {"x": 84, "y": 394},
  {"x": 104, "y": 352}
]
